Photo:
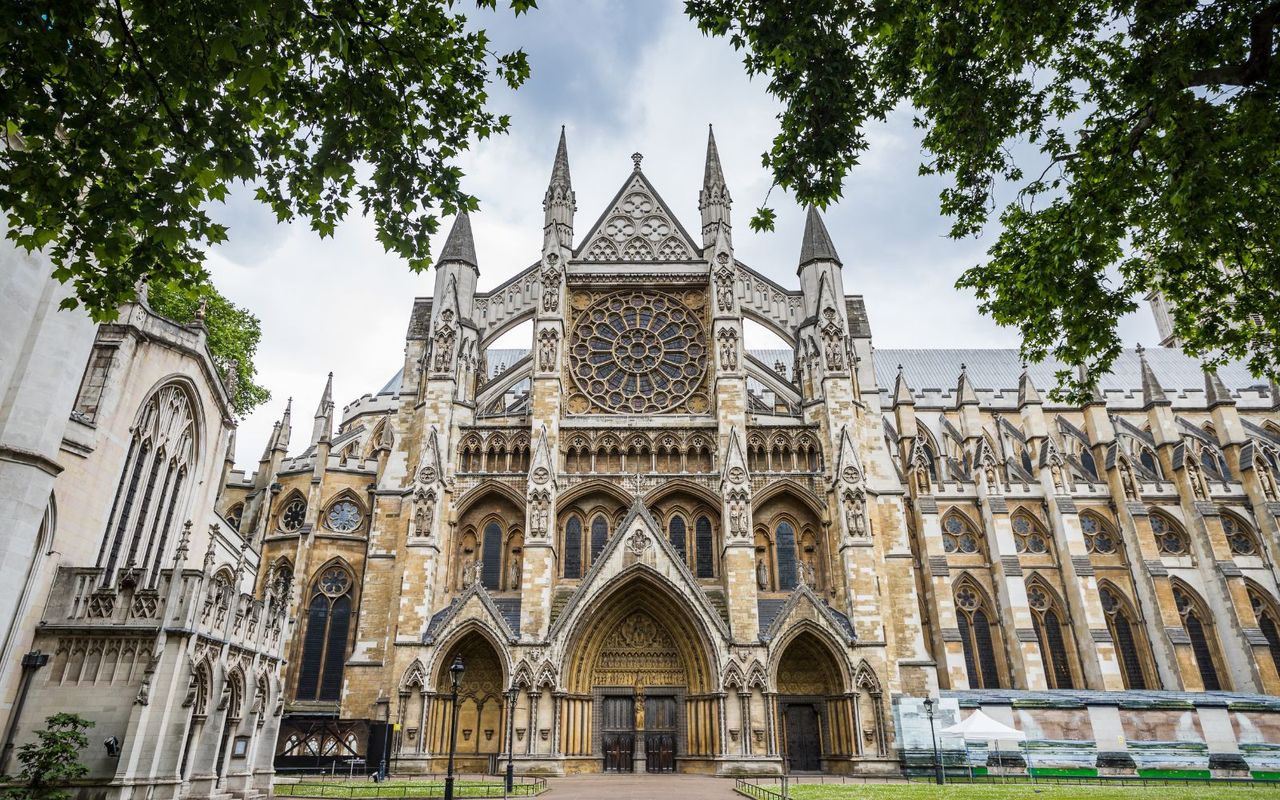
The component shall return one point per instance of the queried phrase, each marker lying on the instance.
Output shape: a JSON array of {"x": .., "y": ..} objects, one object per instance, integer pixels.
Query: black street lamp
[
  {"x": 455, "y": 678},
  {"x": 937, "y": 758},
  {"x": 512, "y": 693}
]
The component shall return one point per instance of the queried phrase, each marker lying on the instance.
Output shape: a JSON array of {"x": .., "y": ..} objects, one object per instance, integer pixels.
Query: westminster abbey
[{"x": 651, "y": 547}]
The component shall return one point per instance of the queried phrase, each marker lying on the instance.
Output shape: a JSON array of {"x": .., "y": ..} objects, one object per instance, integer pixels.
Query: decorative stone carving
[
  {"x": 548, "y": 345},
  {"x": 514, "y": 573},
  {"x": 551, "y": 285},
  {"x": 471, "y": 572},
  {"x": 833, "y": 341},
  {"x": 762, "y": 575},
  {"x": 728, "y": 350},
  {"x": 855, "y": 515},
  {"x": 423, "y": 512},
  {"x": 738, "y": 513},
  {"x": 638, "y": 543},
  {"x": 539, "y": 513},
  {"x": 442, "y": 343},
  {"x": 1128, "y": 483},
  {"x": 724, "y": 283}
]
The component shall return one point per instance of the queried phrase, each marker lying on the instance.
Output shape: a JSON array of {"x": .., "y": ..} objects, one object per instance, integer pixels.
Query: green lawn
[
  {"x": 928, "y": 791},
  {"x": 401, "y": 788}
]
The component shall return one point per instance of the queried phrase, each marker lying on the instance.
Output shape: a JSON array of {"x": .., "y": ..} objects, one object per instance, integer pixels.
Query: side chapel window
[{"x": 324, "y": 646}]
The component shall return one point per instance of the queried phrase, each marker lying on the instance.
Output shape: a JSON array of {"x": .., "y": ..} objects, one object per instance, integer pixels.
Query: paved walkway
[{"x": 639, "y": 787}]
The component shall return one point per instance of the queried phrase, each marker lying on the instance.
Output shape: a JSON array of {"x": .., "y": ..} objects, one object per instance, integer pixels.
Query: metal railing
[
  {"x": 772, "y": 787},
  {"x": 419, "y": 786}
]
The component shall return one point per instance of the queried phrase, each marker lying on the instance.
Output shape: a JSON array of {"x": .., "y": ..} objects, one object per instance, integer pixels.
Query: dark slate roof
[
  {"x": 436, "y": 620},
  {"x": 1000, "y": 369},
  {"x": 843, "y": 620},
  {"x": 1078, "y": 698},
  {"x": 510, "y": 609},
  {"x": 768, "y": 610}
]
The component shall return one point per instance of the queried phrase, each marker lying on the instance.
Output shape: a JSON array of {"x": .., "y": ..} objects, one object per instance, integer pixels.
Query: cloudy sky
[{"x": 621, "y": 77}]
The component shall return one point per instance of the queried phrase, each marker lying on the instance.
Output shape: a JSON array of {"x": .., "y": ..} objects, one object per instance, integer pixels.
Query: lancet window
[
  {"x": 973, "y": 617},
  {"x": 151, "y": 489},
  {"x": 324, "y": 645},
  {"x": 1199, "y": 627},
  {"x": 1053, "y": 635},
  {"x": 1126, "y": 635},
  {"x": 1264, "y": 610}
]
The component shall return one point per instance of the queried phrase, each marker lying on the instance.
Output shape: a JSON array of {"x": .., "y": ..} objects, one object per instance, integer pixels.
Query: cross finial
[
  {"x": 636, "y": 158},
  {"x": 1140, "y": 349},
  {"x": 635, "y": 486}
]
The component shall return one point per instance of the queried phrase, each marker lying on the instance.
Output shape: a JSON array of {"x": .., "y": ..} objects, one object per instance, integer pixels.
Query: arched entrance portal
[
  {"x": 640, "y": 690},
  {"x": 812, "y": 706},
  {"x": 481, "y": 710}
]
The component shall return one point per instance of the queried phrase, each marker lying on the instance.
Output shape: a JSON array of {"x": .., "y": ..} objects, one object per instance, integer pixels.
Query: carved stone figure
[
  {"x": 762, "y": 575},
  {"x": 550, "y": 290},
  {"x": 547, "y": 351},
  {"x": 1127, "y": 481},
  {"x": 853, "y": 509},
  {"x": 470, "y": 571},
  {"x": 728, "y": 350},
  {"x": 1195, "y": 477},
  {"x": 513, "y": 574},
  {"x": 423, "y": 513},
  {"x": 724, "y": 288},
  {"x": 1266, "y": 481},
  {"x": 809, "y": 575}
]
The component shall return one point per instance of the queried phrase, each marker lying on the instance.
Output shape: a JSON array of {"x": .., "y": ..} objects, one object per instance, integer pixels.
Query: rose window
[
  {"x": 335, "y": 581},
  {"x": 294, "y": 514},
  {"x": 343, "y": 516},
  {"x": 639, "y": 353}
]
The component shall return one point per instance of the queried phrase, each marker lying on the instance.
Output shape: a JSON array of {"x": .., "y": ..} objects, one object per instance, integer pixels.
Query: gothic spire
[
  {"x": 1216, "y": 392},
  {"x": 1095, "y": 394},
  {"x": 285, "y": 431},
  {"x": 902, "y": 395},
  {"x": 713, "y": 200},
  {"x": 559, "y": 204},
  {"x": 1027, "y": 394},
  {"x": 816, "y": 244},
  {"x": 1152, "y": 391},
  {"x": 965, "y": 395},
  {"x": 323, "y": 427},
  {"x": 460, "y": 246}
]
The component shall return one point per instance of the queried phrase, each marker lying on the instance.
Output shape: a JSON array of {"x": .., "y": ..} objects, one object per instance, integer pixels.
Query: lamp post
[
  {"x": 933, "y": 736},
  {"x": 512, "y": 694},
  {"x": 455, "y": 678}
]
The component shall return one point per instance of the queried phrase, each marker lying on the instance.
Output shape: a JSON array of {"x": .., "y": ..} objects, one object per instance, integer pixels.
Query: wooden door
[
  {"x": 618, "y": 733},
  {"x": 804, "y": 747},
  {"x": 660, "y": 734}
]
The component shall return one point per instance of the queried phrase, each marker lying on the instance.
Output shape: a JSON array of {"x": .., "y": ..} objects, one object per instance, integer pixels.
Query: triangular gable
[
  {"x": 849, "y": 469},
  {"x": 638, "y": 544},
  {"x": 477, "y": 604},
  {"x": 637, "y": 225},
  {"x": 804, "y": 603}
]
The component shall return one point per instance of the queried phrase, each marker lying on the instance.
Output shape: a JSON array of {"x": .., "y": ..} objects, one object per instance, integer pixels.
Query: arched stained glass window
[
  {"x": 785, "y": 546},
  {"x": 705, "y": 548},
  {"x": 1125, "y": 638},
  {"x": 676, "y": 531},
  {"x": 599, "y": 535},
  {"x": 1239, "y": 536},
  {"x": 324, "y": 646},
  {"x": 1049, "y": 631},
  {"x": 1169, "y": 537},
  {"x": 491, "y": 556},
  {"x": 573, "y": 547},
  {"x": 1098, "y": 536},
  {"x": 1028, "y": 536},
  {"x": 958, "y": 535},
  {"x": 1196, "y": 622},
  {"x": 976, "y": 638},
  {"x": 1264, "y": 610}
]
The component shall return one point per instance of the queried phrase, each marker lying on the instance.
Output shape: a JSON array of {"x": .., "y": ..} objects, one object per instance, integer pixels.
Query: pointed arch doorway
[{"x": 640, "y": 696}]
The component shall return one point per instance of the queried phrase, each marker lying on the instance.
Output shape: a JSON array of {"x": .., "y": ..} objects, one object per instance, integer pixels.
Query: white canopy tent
[{"x": 978, "y": 727}]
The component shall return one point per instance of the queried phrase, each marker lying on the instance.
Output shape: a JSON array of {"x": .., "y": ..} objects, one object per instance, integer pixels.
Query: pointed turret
[
  {"x": 271, "y": 445},
  {"x": 460, "y": 246},
  {"x": 816, "y": 244},
  {"x": 965, "y": 395},
  {"x": 1152, "y": 391},
  {"x": 323, "y": 427},
  {"x": 1216, "y": 392},
  {"x": 285, "y": 431},
  {"x": 559, "y": 203},
  {"x": 713, "y": 201},
  {"x": 1027, "y": 393},
  {"x": 902, "y": 394}
]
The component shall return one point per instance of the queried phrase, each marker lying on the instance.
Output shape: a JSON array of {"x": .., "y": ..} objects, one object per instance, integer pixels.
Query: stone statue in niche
[
  {"x": 443, "y": 343},
  {"x": 762, "y": 575},
  {"x": 513, "y": 574},
  {"x": 729, "y": 350},
  {"x": 724, "y": 287},
  {"x": 550, "y": 289},
  {"x": 1127, "y": 482},
  {"x": 1195, "y": 477},
  {"x": 853, "y": 509},
  {"x": 547, "y": 351},
  {"x": 1266, "y": 482},
  {"x": 422, "y": 515},
  {"x": 737, "y": 515},
  {"x": 470, "y": 571},
  {"x": 808, "y": 574}
]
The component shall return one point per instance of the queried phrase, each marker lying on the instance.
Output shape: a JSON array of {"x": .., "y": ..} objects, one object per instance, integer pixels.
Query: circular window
[
  {"x": 295, "y": 512},
  {"x": 638, "y": 353},
  {"x": 1238, "y": 537},
  {"x": 1097, "y": 539},
  {"x": 335, "y": 581},
  {"x": 1169, "y": 539},
  {"x": 343, "y": 516}
]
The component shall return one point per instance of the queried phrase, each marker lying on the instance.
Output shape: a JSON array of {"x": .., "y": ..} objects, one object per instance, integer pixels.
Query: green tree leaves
[
  {"x": 53, "y": 759},
  {"x": 125, "y": 118},
  {"x": 1143, "y": 141}
]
